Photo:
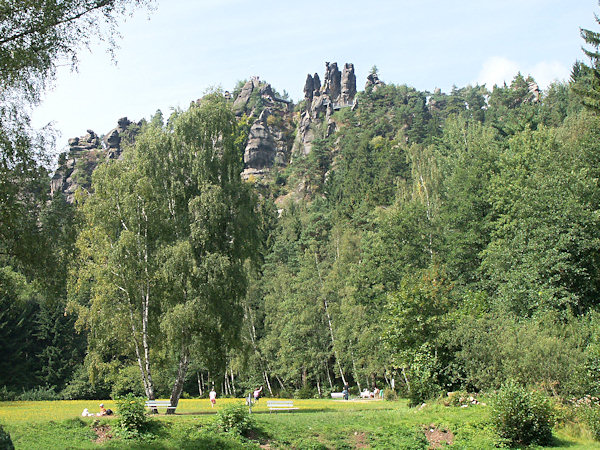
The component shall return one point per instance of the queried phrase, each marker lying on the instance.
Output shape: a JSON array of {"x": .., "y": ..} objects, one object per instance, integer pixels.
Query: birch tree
[{"x": 168, "y": 230}]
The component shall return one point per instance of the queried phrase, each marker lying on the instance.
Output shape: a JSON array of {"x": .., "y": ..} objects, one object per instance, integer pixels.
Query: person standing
[
  {"x": 213, "y": 397},
  {"x": 346, "y": 391},
  {"x": 257, "y": 393}
]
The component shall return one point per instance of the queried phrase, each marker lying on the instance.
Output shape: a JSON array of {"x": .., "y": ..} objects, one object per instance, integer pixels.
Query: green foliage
[
  {"x": 39, "y": 393},
  {"x": 305, "y": 392},
  {"x": 491, "y": 350},
  {"x": 80, "y": 387},
  {"x": 522, "y": 417},
  {"x": 132, "y": 419},
  {"x": 591, "y": 416},
  {"x": 235, "y": 418},
  {"x": 127, "y": 382},
  {"x": 585, "y": 79},
  {"x": 423, "y": 376},
  {"x": 5, "y": 440}
]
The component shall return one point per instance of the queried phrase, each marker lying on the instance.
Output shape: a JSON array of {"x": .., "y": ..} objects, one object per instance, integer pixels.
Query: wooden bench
[
  {"x": 280, "y": 405},
  {"x": 337, "y": 395},
  {"x": 155, "y": 404}
]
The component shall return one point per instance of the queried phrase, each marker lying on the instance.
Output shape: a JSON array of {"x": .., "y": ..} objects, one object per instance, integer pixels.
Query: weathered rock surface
[
  {"x": 348, "y": 84},
  {"x": 269, "y": 140},
  {"x": 276, "y": 132},
  {"x": 83, "y": 156},
  {"x": 338, "y": 91},
  {"x": 373, "y": 82},
  {"x": 332, "y": 83}
]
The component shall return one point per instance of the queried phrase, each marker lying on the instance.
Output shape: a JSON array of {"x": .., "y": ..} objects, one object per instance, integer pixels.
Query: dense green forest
[{"x": 442, "y": 241}]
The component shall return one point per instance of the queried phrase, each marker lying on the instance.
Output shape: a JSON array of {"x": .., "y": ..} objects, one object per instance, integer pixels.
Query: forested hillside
[{"x": 419, "y": 241}]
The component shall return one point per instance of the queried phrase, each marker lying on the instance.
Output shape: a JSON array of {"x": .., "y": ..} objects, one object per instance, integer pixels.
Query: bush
[
  {"x": 80, "y": 387},
  {"x": 133, "y": 421},
  {"x": 235, "y": 418},
  {"x": 5, "y": 440},
  {"x": 127, "y": 381},
  {"x": 423, "y": 374},
  {"x": 390, "y": 395},
  {"x": 591, "y": 416},
  {"x": 6, "y": 395},
  {"x": 39, "y": 393},
  {"x": 305, "y": 392},
  {"x": 521, "y": 417}
]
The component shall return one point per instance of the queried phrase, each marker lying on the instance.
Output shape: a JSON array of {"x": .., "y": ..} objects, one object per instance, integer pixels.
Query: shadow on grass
[{"x": 562, "y": 443}]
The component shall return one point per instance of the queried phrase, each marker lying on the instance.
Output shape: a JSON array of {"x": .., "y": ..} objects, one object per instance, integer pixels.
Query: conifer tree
[{"x": 586, "y": 78}]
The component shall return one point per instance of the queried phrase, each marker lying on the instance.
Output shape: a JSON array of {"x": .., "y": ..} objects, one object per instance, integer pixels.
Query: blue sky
[{"x": 172, "y": 55}]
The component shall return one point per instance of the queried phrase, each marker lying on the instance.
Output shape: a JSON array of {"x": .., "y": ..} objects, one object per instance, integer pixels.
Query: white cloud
[
  {"x": 546, "y": 72},
  {"x": 498, "y": 70}
]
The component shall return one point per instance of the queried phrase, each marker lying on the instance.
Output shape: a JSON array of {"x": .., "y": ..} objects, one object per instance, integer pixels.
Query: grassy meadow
[{"x": 318, "y": 424}]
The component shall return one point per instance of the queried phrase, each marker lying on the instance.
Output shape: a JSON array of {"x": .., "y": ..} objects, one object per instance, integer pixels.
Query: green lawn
[{"x": 318, "y": 424}]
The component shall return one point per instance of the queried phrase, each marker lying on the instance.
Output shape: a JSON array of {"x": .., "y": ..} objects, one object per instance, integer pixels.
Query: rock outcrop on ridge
[
  {"x": 276, "y": 132},
  {"x": 76, "y": 165},
  {"x": 338, "y": 91},
  {"x": 269, "y": 140}
]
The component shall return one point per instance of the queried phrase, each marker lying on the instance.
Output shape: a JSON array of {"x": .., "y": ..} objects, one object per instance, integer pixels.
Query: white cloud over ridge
[{"x": 498, "y": 70}]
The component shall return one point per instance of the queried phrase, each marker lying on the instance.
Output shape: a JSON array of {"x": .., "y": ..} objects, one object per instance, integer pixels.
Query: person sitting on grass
[{"x": 102, "y": 410}]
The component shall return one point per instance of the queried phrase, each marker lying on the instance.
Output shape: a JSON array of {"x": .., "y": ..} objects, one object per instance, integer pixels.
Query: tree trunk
[
  {"x": 280, "y": 382},
  {"x": 355, "y": 374},
  {"x": 184, "y": 361},
  {"x": 405, "y": 380},
  {"x": 325, "y": 303},
  {"x": 328, "y": 375},
  {"x": 232, "y": 382},
  {"x": 266, "y": 377},
  {"x": 199, "y": 384}
]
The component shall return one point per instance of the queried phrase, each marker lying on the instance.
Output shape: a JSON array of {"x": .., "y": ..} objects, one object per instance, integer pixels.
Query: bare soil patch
[
  {"x": 438, "y": 437},
  {"x": 359, "y": 440},
  {"x": 103, "y": 432}
]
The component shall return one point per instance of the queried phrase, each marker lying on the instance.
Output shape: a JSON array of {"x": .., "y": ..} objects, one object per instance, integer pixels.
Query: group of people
[
  {"x": 212, "y": 395},
  {"x": 375, "y": 393},
  {"x": 103, "y": 412}
]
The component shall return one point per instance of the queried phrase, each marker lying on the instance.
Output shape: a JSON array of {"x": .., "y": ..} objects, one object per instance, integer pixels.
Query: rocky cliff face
[
  {"x": 338, "y": 91},
  {"x": 269, "y": 140},
  {"x": 76, "y": 165},
  {"x": 272, "y": 121}
]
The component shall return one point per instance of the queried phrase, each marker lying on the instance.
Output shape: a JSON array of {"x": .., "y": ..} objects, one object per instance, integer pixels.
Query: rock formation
[
  {"x": 76, "y": 165},
  {"x": 332, "y": 83},
  {"x": 338, "y": 91},
  {"x": 112, "y": 139},
  {"x": 373, "y": 82},
  {"x": 272, "y": 121},
  {"x": 348, "y": 85},
  {"x": 269, "y": 139}
]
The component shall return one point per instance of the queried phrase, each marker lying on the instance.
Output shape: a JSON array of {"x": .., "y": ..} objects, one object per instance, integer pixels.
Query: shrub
[
  {"x": 133, "y": 421},
  {"x": 127, "y": 381},
  {"x": 305, "y": 392},
  {"x": 235, "y": 418},
  {"x": 6, "y": 395},
  {"x": 390, "y": 395},
  {"x": 423, "y": 374},
  {"x": 591, "y": 416},
  {"x": 521, "y": 417},
  {"x": 5, "y": 440},
  {"x": 39, "y": 393},
  {"x": 80, "y": 387}
]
